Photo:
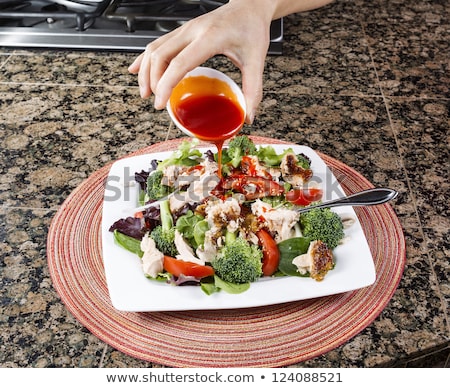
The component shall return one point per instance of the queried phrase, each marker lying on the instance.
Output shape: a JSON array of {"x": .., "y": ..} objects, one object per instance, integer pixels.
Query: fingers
[
  {"x": 164, "y": 63},
  {"x": 186, "y": 60},
  {"x": 161, "y": 57},
  {"x": 134, "y": 67},
  {"x": 252, "y": 71},
  {"x": 151, "y": 64},
  {"x": 140, "y": 67},
  {"x": 144, "y": 76},
  {"x": 252, "y": 89}
]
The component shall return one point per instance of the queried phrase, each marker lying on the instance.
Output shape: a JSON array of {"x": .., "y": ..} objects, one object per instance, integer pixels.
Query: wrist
[
  {"x": 274, "y": 9},
  {"x": 265, "y": 8}
]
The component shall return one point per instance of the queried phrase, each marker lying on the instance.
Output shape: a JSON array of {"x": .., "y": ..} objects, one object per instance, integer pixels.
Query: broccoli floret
[
  {"x": 238, "y": 262},
  {"x": 164, "y": 234},
  {"x": 322, "y": 224},
  {"x": 238, "y": 147},
  {"x": 155, "y": 189}
]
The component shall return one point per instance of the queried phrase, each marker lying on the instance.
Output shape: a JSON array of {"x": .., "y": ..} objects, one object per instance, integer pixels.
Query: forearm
[
  {"x": 286, "y": 7},
  {"x": 279, "y": 8}
]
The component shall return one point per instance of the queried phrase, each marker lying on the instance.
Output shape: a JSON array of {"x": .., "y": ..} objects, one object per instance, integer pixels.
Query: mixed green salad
[{"x": 224, "y": 230}]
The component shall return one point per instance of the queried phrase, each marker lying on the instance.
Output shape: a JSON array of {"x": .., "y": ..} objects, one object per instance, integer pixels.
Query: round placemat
[{"x": 268, "y": 336}]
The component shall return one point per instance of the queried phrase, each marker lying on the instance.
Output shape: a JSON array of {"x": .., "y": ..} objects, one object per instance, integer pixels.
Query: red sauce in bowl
[
  {"x": 211, "y": 118},
  {"x": 208, "y": 109}
]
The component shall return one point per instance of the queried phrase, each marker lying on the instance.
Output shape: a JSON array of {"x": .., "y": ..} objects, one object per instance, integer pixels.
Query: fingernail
[
  {"x": 251, "y": 117},
  {"x": 158, "y": 102},
  {"x": 142, "y": 91}
]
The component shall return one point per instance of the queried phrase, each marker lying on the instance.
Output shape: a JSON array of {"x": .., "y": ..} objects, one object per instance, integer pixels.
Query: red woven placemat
[{"x": 267, "y": 336}]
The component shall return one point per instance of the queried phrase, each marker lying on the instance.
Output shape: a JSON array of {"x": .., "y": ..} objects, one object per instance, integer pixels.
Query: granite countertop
[{"x": 364, "y": 82}]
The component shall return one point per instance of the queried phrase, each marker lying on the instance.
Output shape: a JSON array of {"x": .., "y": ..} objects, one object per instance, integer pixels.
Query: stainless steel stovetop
[{"x": 119, "y": 25}]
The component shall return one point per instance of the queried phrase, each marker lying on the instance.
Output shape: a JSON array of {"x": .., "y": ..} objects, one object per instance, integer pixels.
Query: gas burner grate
[
  {"x": 117, "y": 25},
  {"x": 164, "y": 15},
  {"x": 31, "y": 12}
]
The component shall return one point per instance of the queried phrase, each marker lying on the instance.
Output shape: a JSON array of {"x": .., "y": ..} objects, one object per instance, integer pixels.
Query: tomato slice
[
  {"x": 304, "y": 197},
  {"x": 179, "y": 267},
  {"x": 271, "y": 254}
]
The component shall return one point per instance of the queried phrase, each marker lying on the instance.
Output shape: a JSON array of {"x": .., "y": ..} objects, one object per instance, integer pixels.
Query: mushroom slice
[{"x": 293, "y": 173}]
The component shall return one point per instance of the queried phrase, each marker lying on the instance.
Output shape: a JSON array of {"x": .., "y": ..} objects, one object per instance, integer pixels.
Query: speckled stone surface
[{"x": 364, "y": 82}]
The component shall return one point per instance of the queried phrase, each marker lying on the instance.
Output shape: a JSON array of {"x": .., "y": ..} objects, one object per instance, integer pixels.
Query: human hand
[{"x": 240, "y": 30}]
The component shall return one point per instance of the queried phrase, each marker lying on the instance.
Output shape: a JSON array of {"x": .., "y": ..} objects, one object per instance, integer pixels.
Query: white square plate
[{"x": 130, "y": 290}]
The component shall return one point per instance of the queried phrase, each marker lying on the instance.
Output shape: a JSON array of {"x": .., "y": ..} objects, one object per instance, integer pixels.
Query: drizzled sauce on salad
[{"x": 208, "y": 108}]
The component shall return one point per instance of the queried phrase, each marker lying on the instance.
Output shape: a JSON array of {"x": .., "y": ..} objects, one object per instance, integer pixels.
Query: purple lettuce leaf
[{"x": 130, "y": 226}]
